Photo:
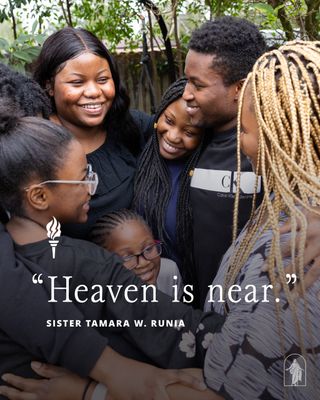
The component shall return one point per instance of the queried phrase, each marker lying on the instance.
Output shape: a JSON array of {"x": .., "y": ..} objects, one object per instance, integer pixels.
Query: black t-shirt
[
  {"x": 213, "y": 188},
  {"x": 116, "y": 167}
]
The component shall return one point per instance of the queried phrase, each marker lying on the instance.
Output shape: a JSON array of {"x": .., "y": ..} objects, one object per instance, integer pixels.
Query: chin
[{"x": 82, "y": 220}]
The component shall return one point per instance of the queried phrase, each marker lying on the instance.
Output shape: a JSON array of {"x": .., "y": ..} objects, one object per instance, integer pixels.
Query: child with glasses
[{"x": 127, "y": 234}]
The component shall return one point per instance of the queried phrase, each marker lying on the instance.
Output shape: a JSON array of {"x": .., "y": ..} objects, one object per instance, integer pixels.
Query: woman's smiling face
[
  {"x": 177, "y": 137},
  {"x": 83, "y": 91}
]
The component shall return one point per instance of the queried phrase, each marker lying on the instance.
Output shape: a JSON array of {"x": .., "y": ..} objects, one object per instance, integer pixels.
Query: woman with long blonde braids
[{"x": 268, "y": 327}]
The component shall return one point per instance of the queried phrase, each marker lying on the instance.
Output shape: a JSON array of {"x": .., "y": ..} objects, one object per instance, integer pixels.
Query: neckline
[{"x": 222, "y": 136}]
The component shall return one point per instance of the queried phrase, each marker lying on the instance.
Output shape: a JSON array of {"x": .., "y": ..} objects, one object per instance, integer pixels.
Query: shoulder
[
  {"x": 144, "y": 123},
  {"x": 85, "y": 251}
]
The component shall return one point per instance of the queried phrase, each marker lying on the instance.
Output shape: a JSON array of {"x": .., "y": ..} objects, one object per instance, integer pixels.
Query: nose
[
  {"x": 173, "y": 135},
  {"x": 142, "y": 262},
  {"x": 92, "y": 89},
  {"x": 188, "y": 94}
]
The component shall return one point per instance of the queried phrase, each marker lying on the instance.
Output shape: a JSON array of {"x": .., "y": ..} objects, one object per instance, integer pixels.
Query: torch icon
[{"x": 53, "y": 232}]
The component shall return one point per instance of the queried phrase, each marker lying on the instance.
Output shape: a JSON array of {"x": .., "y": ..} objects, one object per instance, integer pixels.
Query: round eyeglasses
[
  {"x": 148, "y": 253},
  {"x": 91, "y": 180}
]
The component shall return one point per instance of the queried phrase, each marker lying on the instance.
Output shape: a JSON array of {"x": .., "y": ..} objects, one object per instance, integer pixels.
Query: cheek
[
  {"x": 110, "y": 91},
  {"x": 160, "y": 133},
  {"x": 192, "y": 144},
  {"x": 156, "y": 263},
  {"x": 65, "y": 97}
]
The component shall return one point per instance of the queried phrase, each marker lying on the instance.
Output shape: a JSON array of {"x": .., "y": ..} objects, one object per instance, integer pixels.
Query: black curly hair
[
  {"x": 24, "y": 92},
  {"x": 68, "y": 43},
  {"x": 235, "y": 43},
  {"x": 153, "y": 187}
]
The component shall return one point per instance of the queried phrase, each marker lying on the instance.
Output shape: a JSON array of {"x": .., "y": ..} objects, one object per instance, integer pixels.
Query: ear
[
  {"x": 37, "y": 198},
  {"x": 239, "y": 85},
  {"x": 50, "y": 87}
]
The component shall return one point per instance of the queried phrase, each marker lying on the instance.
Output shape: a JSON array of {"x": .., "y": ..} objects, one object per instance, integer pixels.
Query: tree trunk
[
  {"x": 68, "y": 3},
  {"x": 312, "y": 23},
  {"x": 174, "y": 4},
  {"x": 155, "y": 77},
  {"x": 156, "y": 12},
  {"x": 13, "y": 19},
  {"x": 285, "y": 22}
]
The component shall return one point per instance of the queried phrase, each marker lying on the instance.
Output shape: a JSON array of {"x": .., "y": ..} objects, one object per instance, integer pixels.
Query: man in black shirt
[{"x": 221, "y": 54}]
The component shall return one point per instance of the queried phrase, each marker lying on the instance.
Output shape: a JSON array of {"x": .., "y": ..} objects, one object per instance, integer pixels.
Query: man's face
[{"x": 210, "y": 103}]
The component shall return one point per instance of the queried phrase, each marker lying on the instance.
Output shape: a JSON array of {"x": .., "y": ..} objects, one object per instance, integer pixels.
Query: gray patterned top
[{"x": 244, "y": 361}]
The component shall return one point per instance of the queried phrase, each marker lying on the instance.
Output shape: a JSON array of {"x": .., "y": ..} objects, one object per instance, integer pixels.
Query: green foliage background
[{"x": 118, "y": 21}]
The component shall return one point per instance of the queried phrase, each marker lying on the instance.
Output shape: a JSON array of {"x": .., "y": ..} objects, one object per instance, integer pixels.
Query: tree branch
[{"x": 156, "y": 12}]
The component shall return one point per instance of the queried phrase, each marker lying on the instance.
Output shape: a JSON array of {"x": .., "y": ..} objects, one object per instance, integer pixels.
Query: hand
[
  {"x": 127, "y": 379},
  {"x": 60, "y": 384}
]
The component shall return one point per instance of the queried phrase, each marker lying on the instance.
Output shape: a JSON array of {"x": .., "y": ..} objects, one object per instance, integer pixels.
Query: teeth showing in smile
[
  {"x": 92, "y": 106},
  {"x": 169, "y": 148}
]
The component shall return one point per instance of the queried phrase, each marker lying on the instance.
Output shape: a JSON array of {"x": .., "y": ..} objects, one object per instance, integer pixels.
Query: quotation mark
[
  {"x": 291, "y": 278},
  {"x": 36, "y": 278}
]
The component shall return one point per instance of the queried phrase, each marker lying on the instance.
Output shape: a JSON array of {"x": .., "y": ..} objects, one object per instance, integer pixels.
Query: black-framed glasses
[
  {"x": 91, "y": 179},
  {"x": 148, "y": 253}
]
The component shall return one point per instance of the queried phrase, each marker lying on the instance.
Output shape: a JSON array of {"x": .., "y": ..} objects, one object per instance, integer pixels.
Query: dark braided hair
[
  {"x": 24, "y": 92},
  {"x": 153, "y": 188},
  {"x": 104, "y": 226},
  {"x": 235, "y": 43},
  {"x": 68, "y": 43}
]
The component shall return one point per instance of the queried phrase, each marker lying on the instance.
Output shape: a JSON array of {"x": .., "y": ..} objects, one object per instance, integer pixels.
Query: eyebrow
[
  {"x": 98, "y": 73},
  {"x": 167, "y": 111}
]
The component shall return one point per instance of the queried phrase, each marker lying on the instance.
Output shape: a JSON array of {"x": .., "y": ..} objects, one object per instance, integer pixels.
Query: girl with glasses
[{"x": 126, "y": 233}]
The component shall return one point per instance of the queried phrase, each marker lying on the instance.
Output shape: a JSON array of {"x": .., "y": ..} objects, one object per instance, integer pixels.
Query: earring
[{"x": 155, "y": 125}]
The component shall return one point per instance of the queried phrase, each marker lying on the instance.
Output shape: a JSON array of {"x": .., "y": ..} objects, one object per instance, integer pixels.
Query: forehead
[
  {"x": 177, "y": 107},
  {"x": 85, "y": 63},
  {"x": 200, "y": 66},
  {"x": 131, "y": 231},
  {"x": 75, "y": 162}
]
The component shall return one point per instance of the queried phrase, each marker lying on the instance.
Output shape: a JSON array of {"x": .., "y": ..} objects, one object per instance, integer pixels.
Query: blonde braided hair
[{"x": 285, "y": 91}]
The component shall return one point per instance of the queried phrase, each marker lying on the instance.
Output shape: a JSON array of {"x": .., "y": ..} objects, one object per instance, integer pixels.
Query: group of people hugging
[{"x": 219, "y": 189}]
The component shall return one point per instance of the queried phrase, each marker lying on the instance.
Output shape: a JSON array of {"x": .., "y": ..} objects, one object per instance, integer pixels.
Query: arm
[
  {"x": 141, "y": 381},
  {"x": 24, "y": 309},
  {"x": 178, "y": 392}
]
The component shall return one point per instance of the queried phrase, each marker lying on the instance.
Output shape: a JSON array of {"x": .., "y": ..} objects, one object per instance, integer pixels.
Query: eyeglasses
[
  {"x": 148, "y": 253},
  {"x": 91, "y": 179}
]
